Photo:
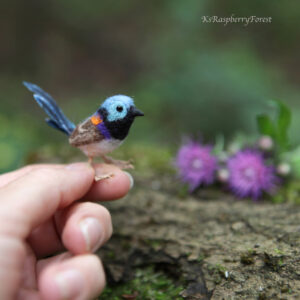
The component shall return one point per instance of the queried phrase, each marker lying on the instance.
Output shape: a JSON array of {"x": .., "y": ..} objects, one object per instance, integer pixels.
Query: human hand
[{"x": 40, "y": 216}]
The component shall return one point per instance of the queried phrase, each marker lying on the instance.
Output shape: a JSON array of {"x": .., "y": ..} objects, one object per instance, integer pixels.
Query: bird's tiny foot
[
  {"x": 122, "y": 164},
  {"x": 90, "y": 161},
  {"x": 104, "y": 176}
]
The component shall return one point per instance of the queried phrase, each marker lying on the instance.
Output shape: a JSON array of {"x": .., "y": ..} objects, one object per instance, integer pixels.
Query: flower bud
[
  {"x": 265, "y": 143},
  {"x": 223, "y": 175},
  {"x": 284, "y": 169}
]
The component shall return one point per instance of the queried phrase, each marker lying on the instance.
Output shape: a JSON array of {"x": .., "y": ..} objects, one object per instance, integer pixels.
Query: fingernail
[
  {"x": 70, "y": 283},
  {"x": 78, "y": 166},
  {"x": 130, "y": 179},
  {"x": 92, "y": 232}
]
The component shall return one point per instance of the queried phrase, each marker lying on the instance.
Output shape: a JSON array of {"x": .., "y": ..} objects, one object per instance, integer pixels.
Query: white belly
[{"x": 101, "y": 148}]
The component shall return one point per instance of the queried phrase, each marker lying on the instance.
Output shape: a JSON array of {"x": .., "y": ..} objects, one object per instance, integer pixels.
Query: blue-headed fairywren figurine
[{"x": 100, "y": 133}]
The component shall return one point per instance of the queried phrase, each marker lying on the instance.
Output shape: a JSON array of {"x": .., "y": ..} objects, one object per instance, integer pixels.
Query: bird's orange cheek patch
[{"x": 96, "y": 120}]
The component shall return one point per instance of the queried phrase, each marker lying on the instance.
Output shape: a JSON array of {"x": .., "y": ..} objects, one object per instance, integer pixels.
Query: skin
[{"x": 44, "y": 211}]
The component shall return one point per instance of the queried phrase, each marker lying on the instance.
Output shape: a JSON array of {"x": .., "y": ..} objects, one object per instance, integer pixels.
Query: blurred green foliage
[
  {"x": 189, "y": 77},
  {"x": 277, "y": 129}
]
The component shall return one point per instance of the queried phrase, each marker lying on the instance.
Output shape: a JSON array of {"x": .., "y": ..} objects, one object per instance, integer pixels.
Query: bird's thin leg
[
  {"x": 122, "y": 164},
  {"x": 99, "y": 177}
]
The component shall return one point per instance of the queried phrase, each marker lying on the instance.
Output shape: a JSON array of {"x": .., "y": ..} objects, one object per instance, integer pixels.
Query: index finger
[
  {"x": 34, "y": 198},
  {"x": 115, "y": 187},
  {"x": 6, "y": 178}
]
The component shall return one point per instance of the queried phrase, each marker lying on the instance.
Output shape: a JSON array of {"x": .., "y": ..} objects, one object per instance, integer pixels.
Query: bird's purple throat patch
[{"x": 98, "y": 122}]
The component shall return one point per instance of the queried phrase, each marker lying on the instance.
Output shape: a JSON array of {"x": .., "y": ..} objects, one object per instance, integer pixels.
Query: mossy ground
[{"x": 148, "y": 284}]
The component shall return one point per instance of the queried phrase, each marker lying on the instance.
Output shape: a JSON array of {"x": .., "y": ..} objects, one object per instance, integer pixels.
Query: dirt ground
[{"x": 219, "y": 247}]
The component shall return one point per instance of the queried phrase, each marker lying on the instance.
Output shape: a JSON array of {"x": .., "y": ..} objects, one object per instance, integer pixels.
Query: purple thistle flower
[
  {"x": 249, "y": 176},
  {"x": 196, "y": 165}
]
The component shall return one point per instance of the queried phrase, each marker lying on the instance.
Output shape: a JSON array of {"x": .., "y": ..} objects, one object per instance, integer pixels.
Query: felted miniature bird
[{"x": 100, "y": 133}]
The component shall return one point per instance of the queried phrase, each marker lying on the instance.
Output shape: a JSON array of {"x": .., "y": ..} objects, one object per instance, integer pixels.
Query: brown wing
[{"x": 85, "y": 133}]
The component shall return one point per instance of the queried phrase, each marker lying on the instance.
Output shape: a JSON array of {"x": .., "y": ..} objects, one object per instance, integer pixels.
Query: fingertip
[
  {"x": 115, "y": 187},
  {"x": 87, "y": 227},
  {"x": 131, "y": 180},
  {"x": 61, "y": 284},
  {"x": 80, "y": 277}
]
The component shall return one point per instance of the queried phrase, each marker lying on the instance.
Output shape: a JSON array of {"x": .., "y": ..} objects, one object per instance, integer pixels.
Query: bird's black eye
[{"x": 119, "y": 108}]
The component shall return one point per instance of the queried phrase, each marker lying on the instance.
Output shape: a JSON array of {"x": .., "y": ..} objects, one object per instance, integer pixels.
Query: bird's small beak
[{"x": 137, "y": 113}]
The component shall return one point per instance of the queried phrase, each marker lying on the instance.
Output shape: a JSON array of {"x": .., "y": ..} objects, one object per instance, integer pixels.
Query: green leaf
[
  {"x": 284, "y": 116},
  {"x": 219, "y": 144},
  {"x": 265, "y": 125},
  {"x": 283, "y": 124}
]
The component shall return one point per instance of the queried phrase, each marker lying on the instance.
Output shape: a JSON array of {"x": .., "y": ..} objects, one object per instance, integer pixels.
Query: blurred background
[{"x": 188, "y": 76}]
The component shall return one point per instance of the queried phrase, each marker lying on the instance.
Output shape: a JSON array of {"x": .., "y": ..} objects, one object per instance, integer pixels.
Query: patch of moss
[
  {"x": 183, "y": 191},
  {"x": 111, "y": 255},
  {"x": 273, "y": 262},
  {"x": 155, "y": 244},
  {"x": 247, "y": 258},
  {"x": 218, "y": 272},
  {"x": 147, "y": 285},
  {"x": 200, "y": 258},
  {"x": 278, "y": 251}
]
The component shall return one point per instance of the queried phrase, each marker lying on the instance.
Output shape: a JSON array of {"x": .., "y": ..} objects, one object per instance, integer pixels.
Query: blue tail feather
[
  {"x": 54, "y": 125},
  {"x": 57, "y": 119}
]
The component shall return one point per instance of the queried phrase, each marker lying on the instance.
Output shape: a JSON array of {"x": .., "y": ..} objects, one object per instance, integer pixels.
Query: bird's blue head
[
  {"x": 117, "y": 107},
  {"x": 118, "y": 113}
]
